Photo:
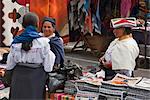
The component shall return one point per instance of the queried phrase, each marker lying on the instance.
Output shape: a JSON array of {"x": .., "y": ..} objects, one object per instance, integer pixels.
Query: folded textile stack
[
  {"x": 72, "y": 87},
  {"x": 109, "y": 85},
  {"x": 112, "y": 91},
  {"x": 140, "y": 91},
  {"x": 118, "y": 86}
]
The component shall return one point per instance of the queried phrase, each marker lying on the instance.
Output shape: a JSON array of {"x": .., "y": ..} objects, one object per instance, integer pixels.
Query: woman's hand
[
  {"x": 102, "y": 60},
  {"x": 106, "y": 64}
]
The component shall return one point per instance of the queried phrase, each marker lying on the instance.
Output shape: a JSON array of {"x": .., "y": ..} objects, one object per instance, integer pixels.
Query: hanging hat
[{"x": 123, "y": 22}]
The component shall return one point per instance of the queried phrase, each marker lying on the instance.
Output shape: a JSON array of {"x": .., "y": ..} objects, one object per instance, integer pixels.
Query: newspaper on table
[
  {"x": 123, "y": 80},
  {"x": 120, "y": 82},
  {"x": 118, "y": 86},
  {"x": 144, "y": 83},
  {"x": 140, "y": 90},
  {"x": 120, "y": 79}
]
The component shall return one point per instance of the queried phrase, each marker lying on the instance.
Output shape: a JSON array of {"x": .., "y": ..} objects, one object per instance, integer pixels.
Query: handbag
[{"x": 55, "y": 81}]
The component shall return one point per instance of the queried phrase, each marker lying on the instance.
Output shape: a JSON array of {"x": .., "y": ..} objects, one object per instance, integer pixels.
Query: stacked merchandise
[
  {"x": 81, "y": 89},
  {"x": 4, "y": 90},
  {"x": 118, "y": 86},
  {"x": 61, "y": 96},
  {"x": 140, "y": 91},
  {"x": 71, "y": 87},
  {"x": 112, "y": 91},
  {"x": 87, "y": 86}
]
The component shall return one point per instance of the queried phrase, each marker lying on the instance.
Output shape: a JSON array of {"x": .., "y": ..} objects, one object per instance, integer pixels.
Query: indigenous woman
[{"x": 30, "y": 59}]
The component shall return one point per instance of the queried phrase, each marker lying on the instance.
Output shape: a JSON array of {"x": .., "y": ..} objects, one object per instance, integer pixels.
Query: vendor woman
[
  {"x": 30, "y": 59},
  {"x": 122, "y": 52},
  {"x": 56, "y": 42}
]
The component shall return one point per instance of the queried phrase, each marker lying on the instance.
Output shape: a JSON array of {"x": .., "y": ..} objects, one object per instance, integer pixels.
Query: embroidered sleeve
[
  {"x": 49, "y": 58},
  {"x": 10, "y": 61}
]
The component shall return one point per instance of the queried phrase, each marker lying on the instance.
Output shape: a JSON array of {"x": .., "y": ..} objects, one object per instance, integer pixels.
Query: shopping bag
[{"x": 55, "y": 81}]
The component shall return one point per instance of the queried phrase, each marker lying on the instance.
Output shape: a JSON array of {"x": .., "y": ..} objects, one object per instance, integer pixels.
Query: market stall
[{"x": 92, "y": 29}]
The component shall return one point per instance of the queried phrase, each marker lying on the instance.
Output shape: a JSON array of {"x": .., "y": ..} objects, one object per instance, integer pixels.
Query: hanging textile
[
  {"x": 105, "y": 9},
  {"x": 13, "y": 12},
  {"x": 73, "y": 13},
  {"x": 125, "y": 8},
  {"x": 53, "y": 8},
  {"x": 88, "y": 18},
  {"x": 95, "y": 6},
  {"x": 134, "y": 8},
  {"x": 84, "y": 16},
  {"x": 115, "y": 8},
  {"x": 147, "y": 4}
]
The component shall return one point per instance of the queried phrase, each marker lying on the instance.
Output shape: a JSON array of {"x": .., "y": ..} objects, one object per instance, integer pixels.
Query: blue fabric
[
  {"x": 86, "y": 6},
  {"x": 28, "y": 35},
  {"x": 97, "y": 19},
  {"x": 57, "y": 48}
]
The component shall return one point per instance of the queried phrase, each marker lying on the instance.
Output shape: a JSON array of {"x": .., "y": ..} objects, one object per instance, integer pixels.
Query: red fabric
[
  {"x": 109, "y": 66},
  {"x": 22, "y": 2},
  {"x": 125, "y": 8},
  {"x": 88, "y": 22},
  {"x": 51, "y": 8}
]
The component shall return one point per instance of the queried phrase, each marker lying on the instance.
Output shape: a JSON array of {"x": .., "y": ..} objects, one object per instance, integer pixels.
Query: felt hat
[{"x": 123, "y": 22}]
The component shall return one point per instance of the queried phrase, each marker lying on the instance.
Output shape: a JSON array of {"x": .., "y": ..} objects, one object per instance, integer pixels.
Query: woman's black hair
[
  {"x": 128, "y": 30},
  {"x": 30, "y": 19},
  {"x": 26, "y": 46}
]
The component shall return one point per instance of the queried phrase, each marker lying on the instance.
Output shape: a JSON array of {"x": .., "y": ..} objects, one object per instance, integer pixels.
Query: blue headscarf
[{"x": 28, "y": 35}]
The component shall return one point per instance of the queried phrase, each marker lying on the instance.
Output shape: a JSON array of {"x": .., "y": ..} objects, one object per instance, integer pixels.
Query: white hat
[{"x": 123, "y": 22}]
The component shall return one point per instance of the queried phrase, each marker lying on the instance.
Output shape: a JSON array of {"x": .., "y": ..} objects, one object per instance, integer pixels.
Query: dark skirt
[{"x": 28, "y": 83}]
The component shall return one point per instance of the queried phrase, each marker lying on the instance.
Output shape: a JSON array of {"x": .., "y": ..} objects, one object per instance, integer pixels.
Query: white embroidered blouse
[
  {"x": 122, "y": 54},
  {"x": 40, "y": 53}
]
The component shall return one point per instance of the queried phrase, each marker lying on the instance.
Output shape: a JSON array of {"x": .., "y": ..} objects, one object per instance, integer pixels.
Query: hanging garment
[
  {"x": 96, "y": 16},
  {"x": 115, "y": 4},
  {"x": 125, "y": 8},
  {"x": 134, "y": 8},
  {"x": 12, "y": 13},
  {"x": 88, "y": 17}
]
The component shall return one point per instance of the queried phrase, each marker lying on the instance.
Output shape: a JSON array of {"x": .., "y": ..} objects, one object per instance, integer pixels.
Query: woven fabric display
[{"x": 71, "y": 87}]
